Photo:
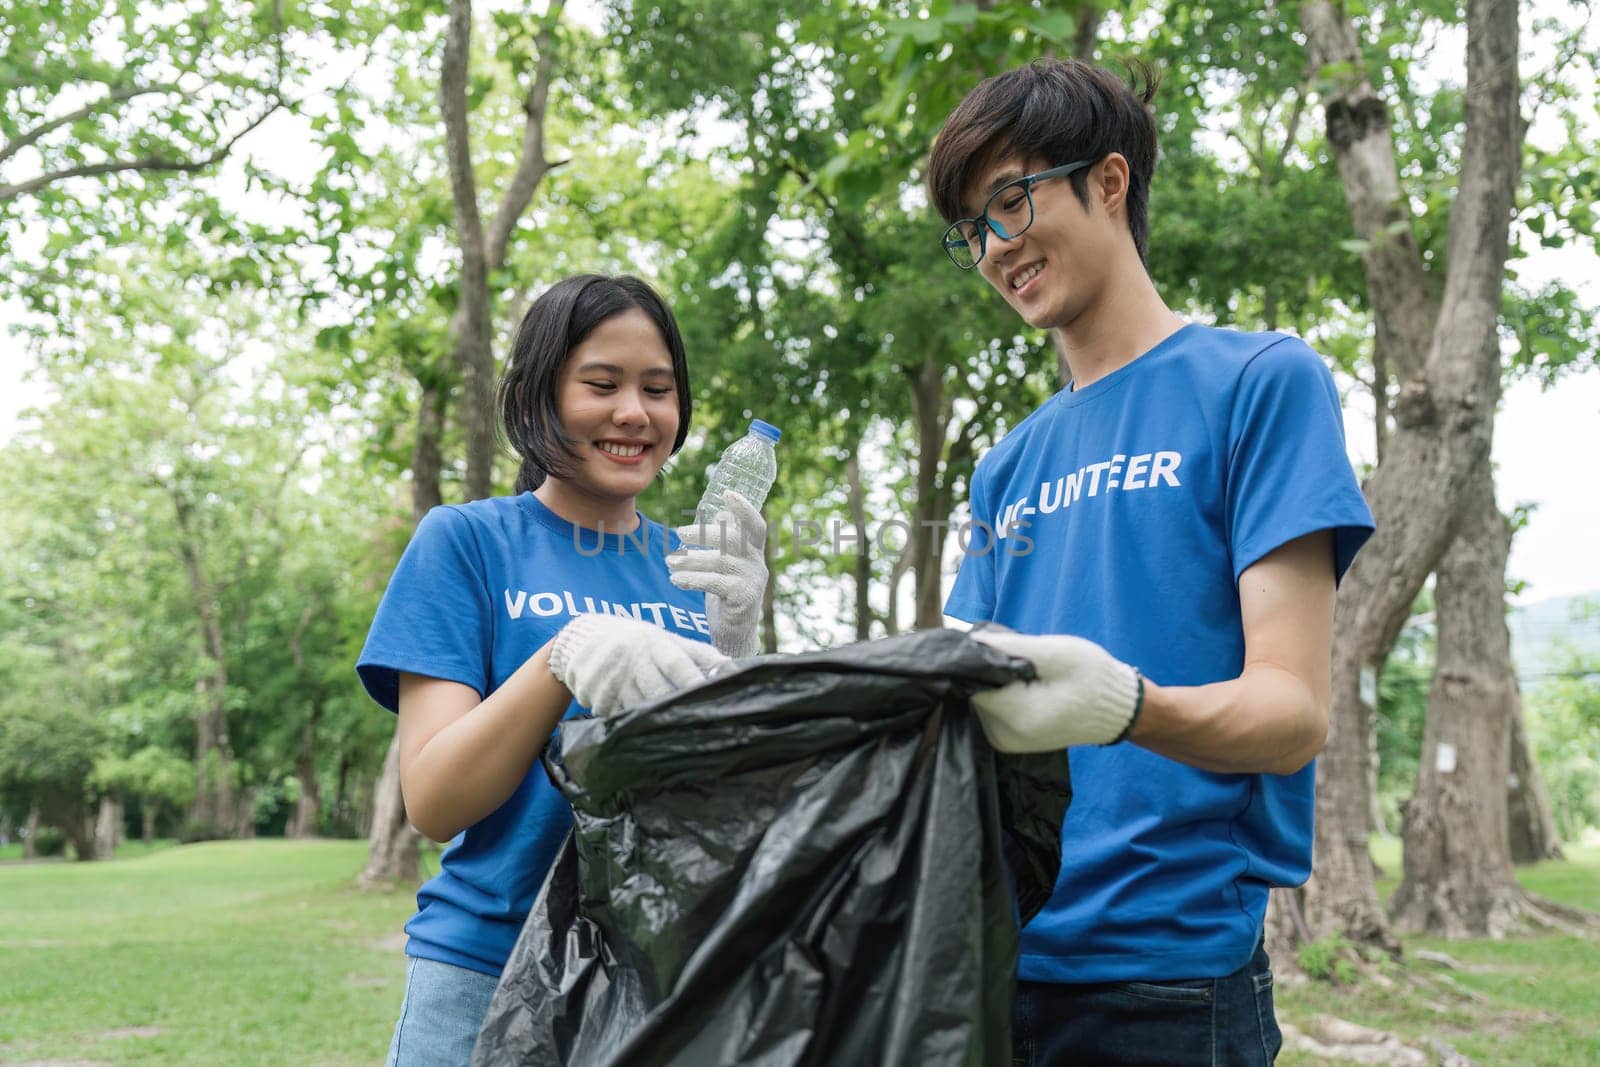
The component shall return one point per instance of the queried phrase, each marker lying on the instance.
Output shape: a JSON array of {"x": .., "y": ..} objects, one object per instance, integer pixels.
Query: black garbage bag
[{"x": 802, "y": 862}]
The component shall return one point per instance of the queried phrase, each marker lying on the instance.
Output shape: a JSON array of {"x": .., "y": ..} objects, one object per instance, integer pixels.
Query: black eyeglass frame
[{"x": 952, "y": 239}]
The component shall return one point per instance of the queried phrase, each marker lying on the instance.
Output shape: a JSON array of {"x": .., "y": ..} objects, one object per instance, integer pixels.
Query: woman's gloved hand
[
  {"x": 724, "y": 559},
  {"x": 611, "y": 663}
]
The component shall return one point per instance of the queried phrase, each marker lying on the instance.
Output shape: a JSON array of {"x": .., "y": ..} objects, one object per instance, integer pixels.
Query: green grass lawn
[
  {"x": 1539, "y": 1002},
  {"x": 263, "y": 952},
  {"x": 249, "y": 952}
]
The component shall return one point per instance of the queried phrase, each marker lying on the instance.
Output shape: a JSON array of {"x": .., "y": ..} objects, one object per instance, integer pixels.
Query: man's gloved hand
[
  {"x": 1083, "y": 695},
  {"x": 726, "y": 563},
  {"x": 611, "y": 663}
]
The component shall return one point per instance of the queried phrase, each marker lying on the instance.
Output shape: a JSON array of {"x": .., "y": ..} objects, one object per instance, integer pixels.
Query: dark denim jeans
[{"x": 1216, "y": 1022}]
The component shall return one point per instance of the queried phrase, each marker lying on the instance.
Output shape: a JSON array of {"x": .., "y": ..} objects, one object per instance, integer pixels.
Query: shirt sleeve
[
  {"x": 972, "y": 594},
  {"x": 1288, "y": 474},
  {"x": 435, "y": 618}
]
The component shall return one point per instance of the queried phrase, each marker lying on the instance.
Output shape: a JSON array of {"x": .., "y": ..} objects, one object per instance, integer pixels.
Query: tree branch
[
  {"x": 152, "y": 163},
  {"x": 1491, "y": 165},
  {"x": 855, "y": 240},
  {"x": 1403, "y": 302},
  {"x": 268, "y": 515},
  {"x": 1293, "y": 130},
  {"x": 966, "y": 439},
  {"x": 116, "y": 96},
  {"x": 532, "y": 166},
  {"x": 1256, "y": 159},
  {"x": 897, "y": 574},
  {"x": 961, "y": 453},
  {"x": 143, "y": 163},
  {"x": 1088, "y": 27},
  {"x": 1545, "y": 83}
]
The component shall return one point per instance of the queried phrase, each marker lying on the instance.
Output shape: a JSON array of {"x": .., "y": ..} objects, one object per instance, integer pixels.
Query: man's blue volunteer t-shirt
[
  {"x": 481, "y": 588},
  {"x": 1124, "y": 512}
]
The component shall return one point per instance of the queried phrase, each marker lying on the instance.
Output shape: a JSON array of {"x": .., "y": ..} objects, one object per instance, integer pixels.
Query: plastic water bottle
[{"x": 748, "y": 467}]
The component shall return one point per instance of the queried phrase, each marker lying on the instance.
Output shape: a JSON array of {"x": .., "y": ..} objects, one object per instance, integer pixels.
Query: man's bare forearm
[{"x": 1266, "y": 721}]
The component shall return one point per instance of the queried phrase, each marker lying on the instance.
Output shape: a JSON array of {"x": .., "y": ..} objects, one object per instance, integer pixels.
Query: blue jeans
[
  {"x": 440, "y": 1015},
  {"x": 1215, "y": 1022}
]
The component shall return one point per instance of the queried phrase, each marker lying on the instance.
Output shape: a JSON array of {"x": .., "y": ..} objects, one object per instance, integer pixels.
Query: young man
[{"x": 1168, "y": 533}]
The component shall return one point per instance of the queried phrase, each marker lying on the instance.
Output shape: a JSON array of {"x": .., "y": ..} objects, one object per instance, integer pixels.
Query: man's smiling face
[{"x": 1058, "y": 266}]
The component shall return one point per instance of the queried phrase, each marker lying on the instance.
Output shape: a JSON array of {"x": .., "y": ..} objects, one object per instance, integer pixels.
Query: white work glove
[
  {"x": 611, "y": 663},
  {"x": 726, "y": 563},
  {"x": 1083, "y": 695}
]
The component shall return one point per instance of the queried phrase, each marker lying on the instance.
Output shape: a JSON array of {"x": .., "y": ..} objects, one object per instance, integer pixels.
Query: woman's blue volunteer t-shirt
[
  {"x": 481, "y": 588},
  {"x": 1124, "y": 512}
]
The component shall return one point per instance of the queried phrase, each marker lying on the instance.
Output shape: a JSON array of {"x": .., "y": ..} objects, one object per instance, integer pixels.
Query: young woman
[{"x": 508, "y": 614}]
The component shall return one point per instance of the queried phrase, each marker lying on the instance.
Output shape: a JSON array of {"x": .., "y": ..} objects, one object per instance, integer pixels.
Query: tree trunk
[
  {"x": 212, "y": 814},
  {"x": 309, "y": 806},
  {"x": 1374, "y": 807},
  {"x": 30, "y": 835},
  {"x": 769, "y": 600},
  {"x": 427, "y": 452},
  {"x": 361, "y": 809},
  {"x": 863, "y": 561},
  {"x": 394, "y": 855},
  {"x": 393, "y": 847},
  {"x": 1443, "y": 419},
  {"x": 483, "y": 253},
  {"x": 931, "y": 515},
  {"x": 938, "y": 467},
  {"x": 1458, "y": 809},
  {"x": 107, "y": 828},
  {"x": 1459, "y": 882},
  {"x": 469, "y": 326},
  {"x": 897, "y": 577},
  {"x": 1530, "y": 822},
  {"x": 1087, "y": 19},
  {"x": 1285, "y": 928},
  {"x": 244, "y": 826},
  {"x": 1380, "y": 401},
  {"x": 933, "y": 521},
  {"x": 341, "y": 795},
  {"x": 78, "y": 824},
  {"x": 147, "y": 822}
]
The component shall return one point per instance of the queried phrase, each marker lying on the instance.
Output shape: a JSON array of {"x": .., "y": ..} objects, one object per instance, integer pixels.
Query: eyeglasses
[{"x": 1008, "y": 212}]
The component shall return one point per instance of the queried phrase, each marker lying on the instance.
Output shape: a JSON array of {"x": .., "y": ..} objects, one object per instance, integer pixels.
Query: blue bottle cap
[{"x": 765, "y": 429}]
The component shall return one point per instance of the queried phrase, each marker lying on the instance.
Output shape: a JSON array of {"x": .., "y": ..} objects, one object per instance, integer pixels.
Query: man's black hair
[
  {"x": 559, "y": 321},
  {"x": 1058, "y": 111}
]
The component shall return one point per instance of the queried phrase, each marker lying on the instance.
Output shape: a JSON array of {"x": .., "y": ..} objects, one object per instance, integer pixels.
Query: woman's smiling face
[{"x": 618, "y": 402}]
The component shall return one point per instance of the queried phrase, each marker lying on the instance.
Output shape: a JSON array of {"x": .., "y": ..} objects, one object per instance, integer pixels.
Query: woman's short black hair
[
  {"x": 558, "y": 322},
  {"x": 1058, "y": 111}
]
